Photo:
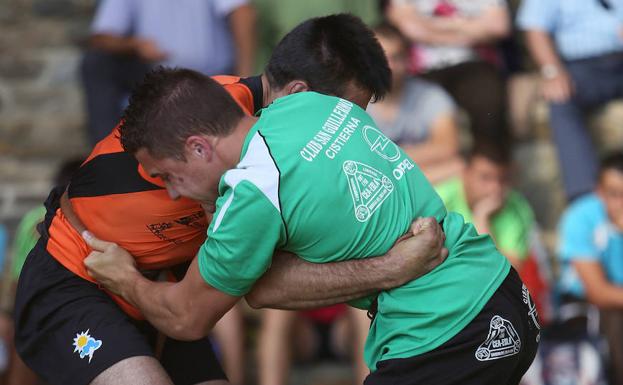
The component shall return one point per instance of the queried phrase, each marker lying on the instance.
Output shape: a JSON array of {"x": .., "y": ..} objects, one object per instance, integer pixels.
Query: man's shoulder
[
  {"x": 588, "y": 206},
  {"x": 518, "y": 205},
  {"x": 451, "y": 189}
]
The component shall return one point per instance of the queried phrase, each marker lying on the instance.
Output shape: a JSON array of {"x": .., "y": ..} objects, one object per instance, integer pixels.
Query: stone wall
[{"x": 41, "y": 106}]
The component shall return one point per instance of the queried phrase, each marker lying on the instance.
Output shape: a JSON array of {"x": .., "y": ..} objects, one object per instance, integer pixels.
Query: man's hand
[
  {"x": 487, "y": 206},
  {"x": 148, "y": 50},
  {"x": 113, "y": 267},
  {"x": 559, "y": 88},
  {"x": 420, "y": 250}
]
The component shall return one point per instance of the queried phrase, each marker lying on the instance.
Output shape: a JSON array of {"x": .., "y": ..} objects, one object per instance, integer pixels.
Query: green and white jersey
[{"x": 318, "y": 179}]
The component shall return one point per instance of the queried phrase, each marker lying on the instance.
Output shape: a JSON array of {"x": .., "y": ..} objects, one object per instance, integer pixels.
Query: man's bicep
[
  {"x": 537, "y": 15},
  {"x": 245, "y": 231}
]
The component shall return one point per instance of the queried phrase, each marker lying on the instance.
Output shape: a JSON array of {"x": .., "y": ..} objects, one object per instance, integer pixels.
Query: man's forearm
[
  {"x": 599, "y": 290},
  {"x": 493, "y": 24},
  {"x": 293, "y": 283},
  {"x": 113, "y": 44},
  {"x": 155, "y": 301},
  {"x": 542, "y": 49}
]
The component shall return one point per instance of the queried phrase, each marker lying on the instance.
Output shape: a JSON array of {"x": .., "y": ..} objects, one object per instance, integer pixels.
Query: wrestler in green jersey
[{"x": 317, "y": 178}]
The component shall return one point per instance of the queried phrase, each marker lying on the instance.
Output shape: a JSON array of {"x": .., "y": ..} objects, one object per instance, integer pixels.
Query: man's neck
[
  {"x": 229, "y": 147},
  {"x": 266, "y": 90}
]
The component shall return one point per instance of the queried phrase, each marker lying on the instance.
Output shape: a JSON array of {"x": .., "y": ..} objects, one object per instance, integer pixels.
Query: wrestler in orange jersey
[{"x": 116, "y": 199}]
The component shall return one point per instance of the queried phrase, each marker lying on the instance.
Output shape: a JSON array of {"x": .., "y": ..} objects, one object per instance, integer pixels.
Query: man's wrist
[
  {"x": 129, "y": 285},
  {"x": 550, "y": 71},
  {"x": 398, "y": 274}
]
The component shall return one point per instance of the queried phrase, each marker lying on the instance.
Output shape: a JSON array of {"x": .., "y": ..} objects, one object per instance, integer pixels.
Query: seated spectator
[
  {"x": 129, "y": 36},
  {"x": 578, "y": 46},
  {"x": 454, "y": 46},
  {"x": 417, "y": 114},
  {"x": 484, "y": 196},
  {"x": 591, "y": 253},
  {"x": 333, "y": 332}
]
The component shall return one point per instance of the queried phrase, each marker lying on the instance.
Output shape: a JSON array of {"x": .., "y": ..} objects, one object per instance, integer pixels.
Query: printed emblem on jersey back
[
  {"x": 381, "y": 144},
  {"x": 368, "y": 188},
  {"x": 502, "y": 341}
]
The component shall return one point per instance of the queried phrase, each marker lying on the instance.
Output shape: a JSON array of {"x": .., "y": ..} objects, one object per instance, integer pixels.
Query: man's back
[{"x": 317, "y": 178}]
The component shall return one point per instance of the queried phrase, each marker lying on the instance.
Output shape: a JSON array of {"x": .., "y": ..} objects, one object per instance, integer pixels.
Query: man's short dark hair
[
  {"x": 328, "y": 53},
  {"x": 172, "y": 104},
  {"x": 611, "y": 161},
  {"x": 498, "y": 153}
]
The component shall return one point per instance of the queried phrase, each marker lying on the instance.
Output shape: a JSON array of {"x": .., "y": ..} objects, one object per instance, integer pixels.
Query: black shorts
[
  {"x": 69, "y": 331},
  {"x": 496, "y": 348}
]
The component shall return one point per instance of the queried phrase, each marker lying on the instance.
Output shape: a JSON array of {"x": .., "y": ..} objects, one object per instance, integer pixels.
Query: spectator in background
[
  {"x": 454, "y": 45},
  {"x": 336, "y": 331},
  {"x": 129, "y": 36},
  {"x": 418, "y": 115},
  {"x": 484, "y": 196},
  {"x": 578, "y": 45},
  {"x": 591, "y": 253}
]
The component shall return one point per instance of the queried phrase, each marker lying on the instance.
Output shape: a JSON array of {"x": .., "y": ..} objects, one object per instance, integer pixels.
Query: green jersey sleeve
[{"x": 245, "y": 231}]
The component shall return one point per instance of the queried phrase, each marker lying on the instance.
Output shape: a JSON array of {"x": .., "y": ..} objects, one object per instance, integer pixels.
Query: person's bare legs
[
  {"x": 19, "y": 373},
  {"x": 274, "y": 350},
  {"x": 348, "y": 337},
  {"x": 140, "y": 370},
  {"x": 229, "y": 332},
  {"x": 360, "y": 327}
]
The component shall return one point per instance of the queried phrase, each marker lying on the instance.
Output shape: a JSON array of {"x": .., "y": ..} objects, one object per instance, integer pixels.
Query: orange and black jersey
[{"x": 117, "y": 201}]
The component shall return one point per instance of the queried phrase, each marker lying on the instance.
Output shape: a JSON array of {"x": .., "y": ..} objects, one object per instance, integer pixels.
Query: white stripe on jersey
[{"x": 258, "y": 168}]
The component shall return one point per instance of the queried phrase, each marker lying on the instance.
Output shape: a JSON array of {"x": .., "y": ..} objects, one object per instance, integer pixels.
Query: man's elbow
[
  {"x": 603, "y": 302},
  {"x": 188, "y": 328},
  {"x": 256, "y": 300}
]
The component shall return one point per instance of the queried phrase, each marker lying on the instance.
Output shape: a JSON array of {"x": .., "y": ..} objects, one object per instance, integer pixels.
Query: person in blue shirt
[
  {"x": 578, "y": 45},
  {"x": 591, "y": 252},
  {"x": 128, "y": 37}
]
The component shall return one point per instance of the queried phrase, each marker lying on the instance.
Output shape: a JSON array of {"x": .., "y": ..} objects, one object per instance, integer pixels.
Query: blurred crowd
[{"x": 448, "y": 108}]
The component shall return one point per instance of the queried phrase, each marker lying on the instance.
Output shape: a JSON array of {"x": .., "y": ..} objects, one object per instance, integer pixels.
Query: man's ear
[
  {"x": 199, "y": 146},
  {"x": 296, "y": 86}
]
